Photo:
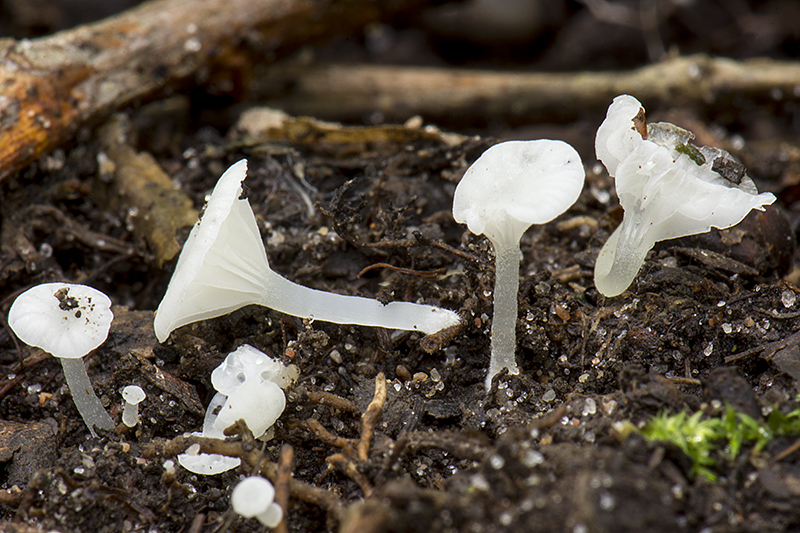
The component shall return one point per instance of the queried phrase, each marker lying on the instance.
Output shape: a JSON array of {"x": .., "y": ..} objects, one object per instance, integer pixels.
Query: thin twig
[
  {"x": 787, "y": 451},
  {"x": 285, "y": 466},
  {"x": 420, "y": 273},
  {"x": 329, "y": 438},
  {"x": 371, "y": 417},
  {"x": 331, "y": 400},
  {"x": 346, "y": 465}
]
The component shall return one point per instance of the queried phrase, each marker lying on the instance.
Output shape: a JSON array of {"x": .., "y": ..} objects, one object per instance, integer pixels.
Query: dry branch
[
  {"x": 54, "y": 85},
  {"x": 352, "y": 92}
]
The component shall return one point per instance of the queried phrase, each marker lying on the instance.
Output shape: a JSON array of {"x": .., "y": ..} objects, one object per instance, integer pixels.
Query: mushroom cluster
[
  {"x": 511, "y": 186},
  {"x": 249, "y": 386},
  {"x": 223, "y": 266},
  {"x": 67, "y": 321},
  {"x": 668, "y": 188}
]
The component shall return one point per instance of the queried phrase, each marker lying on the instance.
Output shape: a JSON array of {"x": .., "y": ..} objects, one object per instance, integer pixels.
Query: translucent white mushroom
[
  {"x": 249, "y": 387},
  {"x": 510, "y": 187},
  {"x": 223, "y": 266},
  {"x": 254, "y": 497},
  {"x": 68, "y": 321},
  {"x": 668, "y": 188},
  {"x": 248, "y": 362},
  {"x": 133, "y": 396}
]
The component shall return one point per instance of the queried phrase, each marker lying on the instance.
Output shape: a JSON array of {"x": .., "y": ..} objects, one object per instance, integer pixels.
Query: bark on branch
[
  {"x": 53, "y": 85},
  {"x": 474, "y": 97}
]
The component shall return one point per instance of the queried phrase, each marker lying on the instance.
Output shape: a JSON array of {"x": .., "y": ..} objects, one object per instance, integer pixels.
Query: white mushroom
[
  {"x": 133, "y": 396},
  {"x": 254, "y": 497},
  {"x": 510, "y": 187},
  {"x": 223, "y": 266},
  {"x": 668, "y": 188},
  {"x": 68, "y": 321},
  {"x": 249, "y": 387},
  {"x": 247, "y": 362}
]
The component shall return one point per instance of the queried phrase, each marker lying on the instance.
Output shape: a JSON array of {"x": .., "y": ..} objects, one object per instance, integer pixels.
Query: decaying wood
[
  {"x": 54, "y": 85},
  {"x": 356, "y": 91},
  {"x": 138, "y": 186}
]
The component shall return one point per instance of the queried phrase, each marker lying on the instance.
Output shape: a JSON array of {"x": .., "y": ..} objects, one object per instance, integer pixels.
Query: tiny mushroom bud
[
  {"x": 223, "y": 266},
  {"x": 510, "y": 187},
  {"x": 668, "y": 188},
  {"x": 253, "y": 498},
  {"x": 133, "y": 396},
  {"x": 68, "y": 321}
]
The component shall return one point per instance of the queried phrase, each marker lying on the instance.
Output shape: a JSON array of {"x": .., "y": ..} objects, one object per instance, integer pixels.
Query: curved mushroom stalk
[
  {"x": 223, "y": 266},
  {"x": 668, "y": 188},
  {"x": 511, "y": 186}
]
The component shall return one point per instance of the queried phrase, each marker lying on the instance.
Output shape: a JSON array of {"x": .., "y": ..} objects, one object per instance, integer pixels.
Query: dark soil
[{"x": 709, "y": 320}]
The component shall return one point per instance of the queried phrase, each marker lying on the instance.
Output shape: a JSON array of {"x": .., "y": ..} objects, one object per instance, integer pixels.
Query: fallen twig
[
  {"x": 331, "y": 400},
  {"x": 352, "y": 91},
  {"x": 285, "y": 465},
  {"x": 54, "y": 85},
  {"x": 139, "y": 187},
  {"x": 371, "y": 417}
]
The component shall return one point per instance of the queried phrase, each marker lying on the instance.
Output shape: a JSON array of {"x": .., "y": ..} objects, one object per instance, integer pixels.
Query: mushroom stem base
[{"x": 87, "y": 402}]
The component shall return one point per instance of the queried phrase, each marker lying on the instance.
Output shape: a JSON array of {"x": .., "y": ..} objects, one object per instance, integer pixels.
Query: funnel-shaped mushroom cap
[
  {"x": 64, "y": 319},
  {"x": 668, "y": 189},
  {"x": 515, "y": 184},
  {"x": 222, "y": 264}
]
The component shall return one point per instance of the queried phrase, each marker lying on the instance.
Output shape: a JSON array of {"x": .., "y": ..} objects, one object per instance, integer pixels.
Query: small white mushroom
[
  {"x": 133, "y": 396},
  {"x": 254, "y": 497},
  {"x": 668, "y": 188},
  {"x": 511, "y": 186},
  {"x": 68, "y": 321},
  {"x": 223, "y": 266},
  {"x": 249, "y": 386}
]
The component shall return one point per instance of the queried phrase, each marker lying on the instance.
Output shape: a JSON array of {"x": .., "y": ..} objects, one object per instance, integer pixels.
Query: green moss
[
  {"x": 693, "y": 153},
  {"x": 702, "y": 438}
]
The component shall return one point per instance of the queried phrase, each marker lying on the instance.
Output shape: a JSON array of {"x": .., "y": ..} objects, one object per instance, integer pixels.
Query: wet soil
[{"x": 709, "y": 320}]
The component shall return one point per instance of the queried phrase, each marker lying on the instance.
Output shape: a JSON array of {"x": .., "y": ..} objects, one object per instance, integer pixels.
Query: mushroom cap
[
  {"x": 252, "y": 496},
  {"x": 64, "y": 319},
  {"x": 258, "y": 402},
  {"x": 223, "y": 262},
  {"x": 518, "y": 183},
  {"x": 248, "y": 362},
  {"x": 207, "y": 464},
  {"x": 133, "y": 394}
]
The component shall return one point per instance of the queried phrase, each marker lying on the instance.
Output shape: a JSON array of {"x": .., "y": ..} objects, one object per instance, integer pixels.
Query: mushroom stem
[
  {"x": 130, "y": 414},
  {"x": 620, "y": 259},
  {"x": 87, "y": 402},
  {"x": 504, "y": 321},
  {"x": 287, "y": 297}
]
